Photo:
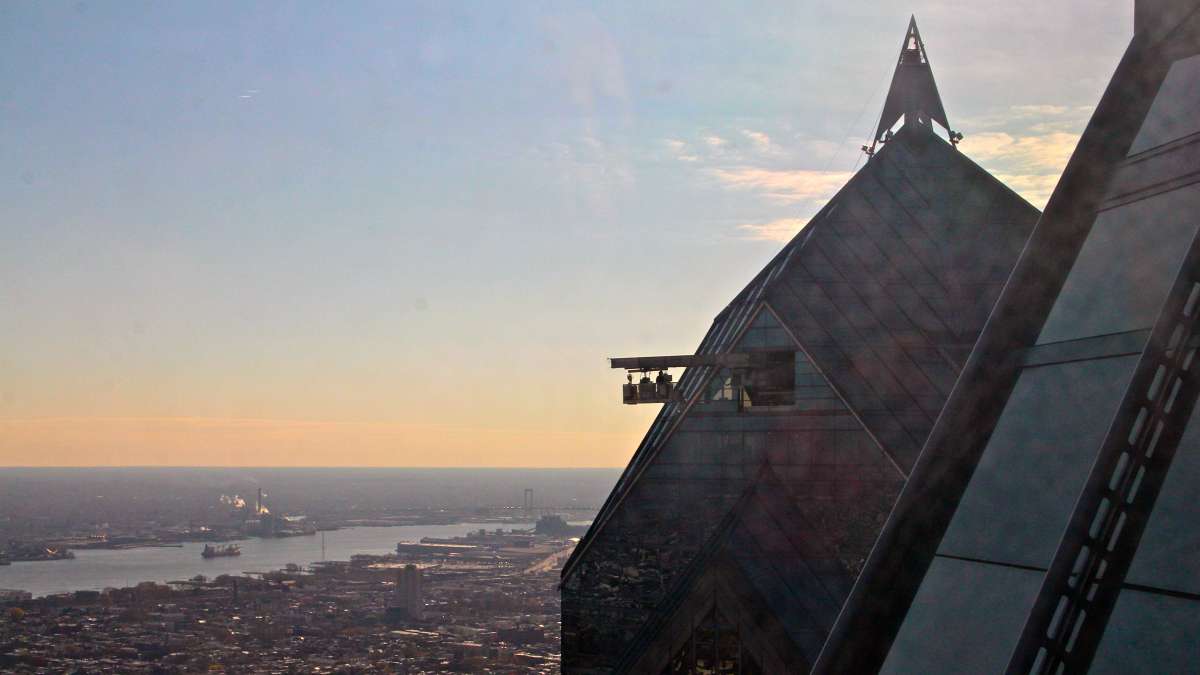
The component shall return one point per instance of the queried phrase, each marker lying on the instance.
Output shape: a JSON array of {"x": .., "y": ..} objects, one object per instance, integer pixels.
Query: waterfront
[
  {"x": 481, "y": 603},
  {"x": 100, "y": 569}
]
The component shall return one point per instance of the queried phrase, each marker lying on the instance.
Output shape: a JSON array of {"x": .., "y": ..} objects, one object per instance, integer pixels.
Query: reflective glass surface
[
  {"x": 1150, "y": 633},
  {"x": 1173, "y": 113},
  {"x": 812, "y": 390},
  {"x": 1026, "y": 483},
  {"x": 1126, "y": 267},
  {"x": 966, "y": 618},
  {"x": 765, "y": 333}
]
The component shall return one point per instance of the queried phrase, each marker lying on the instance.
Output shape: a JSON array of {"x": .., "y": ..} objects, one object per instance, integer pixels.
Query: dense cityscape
[{"x": 485, "y": 601}]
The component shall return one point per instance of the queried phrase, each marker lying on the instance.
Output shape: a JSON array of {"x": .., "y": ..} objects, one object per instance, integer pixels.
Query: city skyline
[{"x": 254, "y": 236}]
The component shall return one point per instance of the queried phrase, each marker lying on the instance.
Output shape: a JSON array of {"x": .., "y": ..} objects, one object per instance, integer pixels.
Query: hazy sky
[{"x": 410, "y": 233}]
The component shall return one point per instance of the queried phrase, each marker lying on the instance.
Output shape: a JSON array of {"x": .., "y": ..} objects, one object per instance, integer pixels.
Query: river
[{"x": 99, "y": 569}]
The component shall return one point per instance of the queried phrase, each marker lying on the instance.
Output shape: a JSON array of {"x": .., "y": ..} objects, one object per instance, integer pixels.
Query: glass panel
[
  {"x": 1169, "y": 553},
  {"x": 810, "y": 384},
  {"x": 724, "y": 387},
  {"x": 1026, "y": 483},
  {"x": 1150, "y": 633},
  {"x": 1173, "y": 113},
  {"x": 1125, "y": 268},
  {"x": 765, "y": 333},
  {"x": 966, "y": 618}
]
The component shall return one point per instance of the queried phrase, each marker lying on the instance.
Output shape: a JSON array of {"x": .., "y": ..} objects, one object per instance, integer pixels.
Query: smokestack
[{"x": 258, "y": 504}]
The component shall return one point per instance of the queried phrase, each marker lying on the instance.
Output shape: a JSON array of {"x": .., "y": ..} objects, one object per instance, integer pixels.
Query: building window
[{"x": 772, "y": 382}]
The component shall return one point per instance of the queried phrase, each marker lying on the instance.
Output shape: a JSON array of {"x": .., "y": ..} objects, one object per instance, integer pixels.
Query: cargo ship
[{"x": 211, "y": 551}]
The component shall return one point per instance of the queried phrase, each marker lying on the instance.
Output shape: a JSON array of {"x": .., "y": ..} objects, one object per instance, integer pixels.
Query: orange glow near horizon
[
  {"x": 192, "y": 441},
  {"x": 234, "y": 236}
]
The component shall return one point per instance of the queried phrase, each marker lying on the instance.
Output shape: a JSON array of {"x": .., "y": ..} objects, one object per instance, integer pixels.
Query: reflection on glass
[
  {"x": 1150, "y": 633},
  {"x": 1173, "y": 113},
  {"x": 1126, "y": 267},
  {"x": 966, "y": 618},
  {"x": 1036, "y": 462}
]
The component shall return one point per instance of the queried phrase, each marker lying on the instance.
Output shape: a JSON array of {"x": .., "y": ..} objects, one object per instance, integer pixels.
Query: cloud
[
  {"x": 1030, "y": 164},
  {"x": 1041, "y": 110},
  {"x": 1026, "y": 145},
  {"x": 781, "y": 185},
  {"x": 779, "y": 230},
  {"x": 760, "y": 140},
  {"x": 1039, "y": 118},
  {"x": 1044, "y": 152},
  {"x": 587, "y": 167},
  {"x": 775, "y": 196},
  {"x": 1036, "y": 188},
  {"x": 680, "y": 150}
]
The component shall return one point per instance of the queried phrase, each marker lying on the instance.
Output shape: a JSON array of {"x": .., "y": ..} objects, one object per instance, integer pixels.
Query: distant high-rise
[
  {"x": 1051, "y": 524},
  {"x": 734, "y": 535},
  {"x": 409, "y": 601}
]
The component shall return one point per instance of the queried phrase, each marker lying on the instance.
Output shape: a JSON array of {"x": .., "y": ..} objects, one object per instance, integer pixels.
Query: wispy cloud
[
  {"x": 1031, "y": 117},
  {"x": 777, "y": 192},
  {"x": 1042, "y": 152},
  {"x": 1027, "y": 146},
  {"x": 1036, "y": 188},
  {"x": 760, "y": 140},
  {"x": 680, "y": 150},
  {"x": 783, "y": 186},
  {"x": 1029, "y": 163},
  {"x": 715, "y": 141},
  {"x": 780, "y": 230},
  {"x": 591, "y": 169}
]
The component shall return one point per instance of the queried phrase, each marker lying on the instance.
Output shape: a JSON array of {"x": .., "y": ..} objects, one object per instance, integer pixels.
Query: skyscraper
[
  {"x": 1051, "y": 523},
  {"x": 734, "y": 535},
  {"x": 409, "y": 603}
]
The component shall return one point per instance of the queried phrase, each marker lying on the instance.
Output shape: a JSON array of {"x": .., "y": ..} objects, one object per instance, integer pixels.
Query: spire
[{"x": 913, "y": 94}]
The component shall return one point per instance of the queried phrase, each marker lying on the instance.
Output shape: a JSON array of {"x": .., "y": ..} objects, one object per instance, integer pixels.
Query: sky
[{"x": 411, "y": 233}]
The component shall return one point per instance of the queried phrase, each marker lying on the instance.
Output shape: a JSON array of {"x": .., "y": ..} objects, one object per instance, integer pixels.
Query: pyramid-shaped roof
[{"x": 880, "y": 299}]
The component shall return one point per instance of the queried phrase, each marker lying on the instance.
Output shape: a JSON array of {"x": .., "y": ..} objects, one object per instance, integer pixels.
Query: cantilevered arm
[{"x": 648, "y": 363}]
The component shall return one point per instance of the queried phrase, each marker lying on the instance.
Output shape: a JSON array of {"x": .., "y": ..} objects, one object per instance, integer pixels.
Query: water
[{"x": 100, "y": 569}]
